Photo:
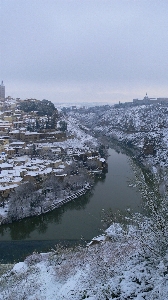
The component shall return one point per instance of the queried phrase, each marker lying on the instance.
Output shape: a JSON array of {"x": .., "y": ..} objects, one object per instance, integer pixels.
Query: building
[
  {"x": 146, "y": 100},
  {"x": 2, "y": 91}
]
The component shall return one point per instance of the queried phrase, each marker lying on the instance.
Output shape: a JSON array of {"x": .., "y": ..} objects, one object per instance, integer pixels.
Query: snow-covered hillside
[
  {"x": 112, "y": 267},
  {"x": 127, "y": 262},
  {"x": 144, "y": 129}
]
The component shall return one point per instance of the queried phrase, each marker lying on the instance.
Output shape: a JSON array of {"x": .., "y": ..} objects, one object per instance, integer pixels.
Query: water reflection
[
  {"x": 22, "y": 230},
  {"x": 81, "y": 217}
]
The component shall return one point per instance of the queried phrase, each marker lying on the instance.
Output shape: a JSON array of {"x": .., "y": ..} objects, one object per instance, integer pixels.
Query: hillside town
[
  {"x": 83, "y": 150},
  {"x": 58, "y": 153},
  {"x": 44, "y": 153},
  {"x": 49, "y": 159}
]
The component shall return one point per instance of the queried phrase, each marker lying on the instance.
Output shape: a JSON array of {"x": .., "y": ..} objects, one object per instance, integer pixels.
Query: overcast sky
[{"x": 84, "y": 50}]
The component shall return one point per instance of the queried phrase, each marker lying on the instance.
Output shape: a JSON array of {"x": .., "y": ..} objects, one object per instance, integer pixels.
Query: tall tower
[{"x": 2, "y": 90}]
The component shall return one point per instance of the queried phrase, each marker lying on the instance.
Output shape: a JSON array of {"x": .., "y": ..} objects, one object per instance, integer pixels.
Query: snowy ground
[
  {"x": 116, "y": 266},
  {"x": 81, "y": 139},
  {"x": 111, "y": 269}
]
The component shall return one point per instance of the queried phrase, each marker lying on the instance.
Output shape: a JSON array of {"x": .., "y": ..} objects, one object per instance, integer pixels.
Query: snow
[
  {"x": 115, "y": 230},
  {"x": 11, "y": 186},
  {"x": 3, "y": 211},
  {"x": 114, "y": 265},
  {"x": 102, "y": 159},
  {"x": 6, "y": 165},
  {"x": 108, "y": 270},
  {"x": 20, "y": 267}
]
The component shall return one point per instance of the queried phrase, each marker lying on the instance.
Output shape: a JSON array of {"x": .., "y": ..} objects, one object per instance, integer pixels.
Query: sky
[{"x": 84, "y": 50}]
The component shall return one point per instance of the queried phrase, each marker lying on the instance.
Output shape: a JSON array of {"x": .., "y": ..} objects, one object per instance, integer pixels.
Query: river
[{"x": 77, "y": 220}]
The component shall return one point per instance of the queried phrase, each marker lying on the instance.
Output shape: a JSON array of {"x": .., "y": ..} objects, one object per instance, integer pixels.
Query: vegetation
[
  {"x": 63, "y": 126},
  {"x": 44, "y": 107},
  {"x": 40, "y": 196}
]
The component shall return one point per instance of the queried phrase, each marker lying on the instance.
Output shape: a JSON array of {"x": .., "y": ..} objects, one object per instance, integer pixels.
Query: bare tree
[
  {"x": 20, "y": 199},
  {"x": 53, "y": 185}
]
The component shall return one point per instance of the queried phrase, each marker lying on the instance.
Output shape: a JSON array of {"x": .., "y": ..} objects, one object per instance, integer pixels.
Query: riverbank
[
  {"x": 113, "y": 267},
  {"x": 79, "y": 218},
  {"x": 140, "y": 129},
  {"x": 58, "y": 202},
  {"x": 117, "y": 265},
  {"x": 143, "y": 166},
  {"x": 145, "y": 138}
]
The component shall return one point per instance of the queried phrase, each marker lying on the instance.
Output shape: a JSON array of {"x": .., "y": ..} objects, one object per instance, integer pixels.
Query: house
[
  {"x": 17, "y": 146},
  {"x": 57, "y": 150},
  {"x": 29, "y": 136},
  {"x": 56, "y": 163},
  {"x": 37, "y": 176},
  {"x": 6, "y": 166},
  {"x": 5, "y": 126},
  {"x": 10, "y": 151},
  {"x": 15, "y": 134},
  {"x": 53, "y": 135}
]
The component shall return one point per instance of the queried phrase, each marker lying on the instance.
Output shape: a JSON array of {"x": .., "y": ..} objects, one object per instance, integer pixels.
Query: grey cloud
[{"x": 84, "y": 43}]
